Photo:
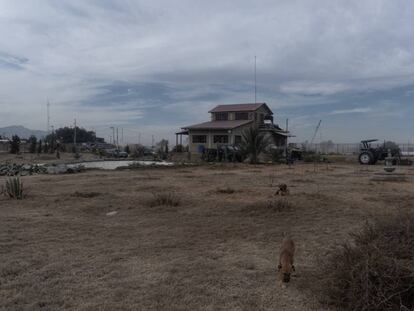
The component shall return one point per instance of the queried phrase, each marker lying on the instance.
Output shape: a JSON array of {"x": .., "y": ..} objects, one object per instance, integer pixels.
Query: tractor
[{"x": 369, "y": 155}]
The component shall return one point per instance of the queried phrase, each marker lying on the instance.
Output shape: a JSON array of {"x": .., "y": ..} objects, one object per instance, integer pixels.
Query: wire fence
[
  {"x": 323, "y": 148},
  {"x": 352, "y": 148}
]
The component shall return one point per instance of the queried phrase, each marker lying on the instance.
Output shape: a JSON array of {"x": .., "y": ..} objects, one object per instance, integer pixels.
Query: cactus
[{"x": 14, "y": 188}]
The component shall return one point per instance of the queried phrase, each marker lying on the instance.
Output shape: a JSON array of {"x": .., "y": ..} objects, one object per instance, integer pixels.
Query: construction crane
[{"x": 316, "y": 131}]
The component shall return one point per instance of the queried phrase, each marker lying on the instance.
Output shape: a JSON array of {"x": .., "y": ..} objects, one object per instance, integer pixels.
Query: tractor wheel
[{"x": 366, "y": 158}]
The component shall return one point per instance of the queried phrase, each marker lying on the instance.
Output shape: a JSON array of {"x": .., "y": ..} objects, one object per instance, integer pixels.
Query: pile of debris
[{"x": 30, "y": 169}]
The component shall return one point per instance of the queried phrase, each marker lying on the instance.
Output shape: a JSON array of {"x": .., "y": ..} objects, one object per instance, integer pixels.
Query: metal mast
[
  {"x": 48, "y": 117},
  {"x": 255, "y": 84},
  {"x": 316, "y": 131}
]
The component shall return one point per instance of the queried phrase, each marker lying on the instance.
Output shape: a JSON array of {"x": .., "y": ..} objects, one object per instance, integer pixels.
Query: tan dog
[{"x": 285, "y": 267}]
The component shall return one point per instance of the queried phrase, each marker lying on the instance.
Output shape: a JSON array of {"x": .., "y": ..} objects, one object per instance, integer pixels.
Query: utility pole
[
  {"x": 152, "y": 142},
  {"x": 74, "y": 135},
  {"x": 139, "y": 138},
  {"x": 74, "y": 138},
  {"x": 52, "y": 143},
  {"x": 48, "y": 117},
  {"x": 117, "y": 141},
  {"x": 113, "y": 135},
  {"x": 122, "y": 135},
  {"x": 286, "y": 147}
]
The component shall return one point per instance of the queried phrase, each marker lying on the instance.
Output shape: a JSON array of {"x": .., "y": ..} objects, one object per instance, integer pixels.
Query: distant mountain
[{"x": 21, "y": 131}]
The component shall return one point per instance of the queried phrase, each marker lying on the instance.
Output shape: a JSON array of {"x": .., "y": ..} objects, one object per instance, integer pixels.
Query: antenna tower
[{"x": 255, "y": 84}]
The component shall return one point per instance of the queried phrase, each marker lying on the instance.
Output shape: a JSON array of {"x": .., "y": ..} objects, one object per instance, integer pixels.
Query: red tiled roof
[
  {"x": 239, "y": 107},
  {"x": 218, "y": 125}
]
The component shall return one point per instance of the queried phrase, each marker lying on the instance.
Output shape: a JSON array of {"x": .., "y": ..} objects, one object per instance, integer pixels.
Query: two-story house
[{"x": 227, "y": 125}]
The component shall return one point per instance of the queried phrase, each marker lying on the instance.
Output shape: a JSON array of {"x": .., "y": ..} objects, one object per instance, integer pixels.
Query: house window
[
  {"x": 222, "y": 116},
  {"x": 237, "y": 139},
  {"x": 199, "y": 139},
  {"x": 261, "y": 118},
  {"x": 221, "y": 139},
  {"x": 242, "y": 116}
]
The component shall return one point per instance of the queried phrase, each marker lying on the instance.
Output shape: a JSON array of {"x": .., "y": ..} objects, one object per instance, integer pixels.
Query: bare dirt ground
[{"x": 216, "y": 250}]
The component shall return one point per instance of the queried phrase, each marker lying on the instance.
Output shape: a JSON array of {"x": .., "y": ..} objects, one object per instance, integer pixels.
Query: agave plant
[
  {"x": 14, "y": 188},
  {"x": 253, "y": 143}
]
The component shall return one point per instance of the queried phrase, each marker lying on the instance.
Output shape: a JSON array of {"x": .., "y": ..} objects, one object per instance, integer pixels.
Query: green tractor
[{"x": 369, "y": 155}]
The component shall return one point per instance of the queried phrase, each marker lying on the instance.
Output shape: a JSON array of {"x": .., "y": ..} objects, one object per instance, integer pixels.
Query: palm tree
[{"x": 253, "y": 143}]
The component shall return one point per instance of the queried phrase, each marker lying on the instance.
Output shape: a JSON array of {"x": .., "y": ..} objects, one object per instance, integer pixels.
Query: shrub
[
  {"x": 226, "y": 190},
  {"x": 376, "y": 271},
  {"x": 127, "y": 149},
  {"x": 266, "y": 207},
  {"x": 165, "y": 199},
  {"x": 86, "y": 195},
  {"x": 14, "y": 188},
  {"x": 277, "y": 156},
  {"x": 278, "y": 205}
]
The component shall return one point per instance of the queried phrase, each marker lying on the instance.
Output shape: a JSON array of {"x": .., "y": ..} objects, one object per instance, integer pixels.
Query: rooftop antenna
[{"x": 255, "y": 84}]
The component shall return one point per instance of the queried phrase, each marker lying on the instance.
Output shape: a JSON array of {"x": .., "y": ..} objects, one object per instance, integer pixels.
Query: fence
[{"x": 352, "y": 148}]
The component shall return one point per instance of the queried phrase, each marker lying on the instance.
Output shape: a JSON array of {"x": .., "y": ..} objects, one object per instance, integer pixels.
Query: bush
[
  {"x": 267, "y": 207},
  {"x": 375, "y": 271},
  {"x": 165, "y": 199},
  {"x": 14, "y": 188},
  {"x": 227, "y": 190},
  {"x": 127, "y": 149},
  {"x": 277, "y": 156},
  {"x": 278, "y": 205}
]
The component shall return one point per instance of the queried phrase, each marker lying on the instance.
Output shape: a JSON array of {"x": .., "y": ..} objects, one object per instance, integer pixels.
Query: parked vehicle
[
  {"x": 370, "y": 155},
  {"x": 117, "y": 153}
]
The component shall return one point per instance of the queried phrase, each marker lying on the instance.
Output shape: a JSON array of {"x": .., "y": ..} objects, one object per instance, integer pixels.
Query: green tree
[
  {"x": 253, "y": 144},
  {"x": 32, "y": 143},
  {"x": 15, "y": 144},
  {"x": 127, "y": 149},
  {"x": 162, "y": 147},
  {"x": 46, "y": 147},
  {"x": 39, "y": 147},
  {"x": 66, "y": 135}
]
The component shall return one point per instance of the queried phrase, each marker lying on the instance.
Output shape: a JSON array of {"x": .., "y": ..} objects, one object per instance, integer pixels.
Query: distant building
[{"x": 227, "y": 125}]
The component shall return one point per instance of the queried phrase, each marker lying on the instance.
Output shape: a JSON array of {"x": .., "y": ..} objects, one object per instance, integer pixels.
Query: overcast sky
[{"x": 154, "y": 66}]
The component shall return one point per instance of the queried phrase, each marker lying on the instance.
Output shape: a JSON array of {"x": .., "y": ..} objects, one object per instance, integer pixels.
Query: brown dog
[
  {"x": 283, "y": 190},
  {"x": 285, "y": 267}
]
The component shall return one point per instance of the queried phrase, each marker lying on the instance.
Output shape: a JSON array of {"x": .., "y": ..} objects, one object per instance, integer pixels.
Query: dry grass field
[{"x": 215, "y": 247}]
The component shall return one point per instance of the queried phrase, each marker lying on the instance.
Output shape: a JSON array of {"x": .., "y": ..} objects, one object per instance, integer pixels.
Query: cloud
[
  {"x": 313, "y": 88},
  {"x": 159, "y": 64},
  {"x": 11, "y": 62},
  {"x": 354, "y": 110}
]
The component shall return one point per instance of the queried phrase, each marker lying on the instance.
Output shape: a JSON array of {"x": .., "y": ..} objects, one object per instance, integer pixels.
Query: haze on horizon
[{"x": 154, "y": 66}]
